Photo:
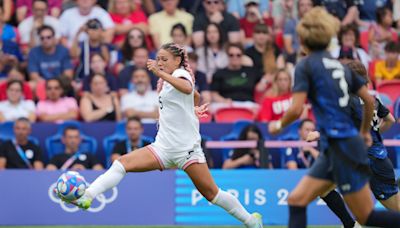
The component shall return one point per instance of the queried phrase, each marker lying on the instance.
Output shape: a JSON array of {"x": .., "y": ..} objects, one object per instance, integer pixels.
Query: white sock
[
  {"x": 232, "y": 205},
  {"x": 107, "y": 180}
]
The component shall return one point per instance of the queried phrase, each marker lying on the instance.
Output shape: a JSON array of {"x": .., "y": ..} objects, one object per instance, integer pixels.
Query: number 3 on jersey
[
  {"x": 338, "y": 73},
  {"x": 160, "y": 102}
]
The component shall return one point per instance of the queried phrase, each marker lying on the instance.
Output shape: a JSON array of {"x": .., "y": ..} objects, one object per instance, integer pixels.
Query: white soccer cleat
[{"x": 258, "y": 223}]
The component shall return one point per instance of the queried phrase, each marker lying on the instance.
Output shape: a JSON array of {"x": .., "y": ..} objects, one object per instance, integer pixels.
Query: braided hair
[{"x": 179, "y": 51}]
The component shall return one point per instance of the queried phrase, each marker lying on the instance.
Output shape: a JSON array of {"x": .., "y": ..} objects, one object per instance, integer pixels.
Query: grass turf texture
[{"x": 155, "y": 226}]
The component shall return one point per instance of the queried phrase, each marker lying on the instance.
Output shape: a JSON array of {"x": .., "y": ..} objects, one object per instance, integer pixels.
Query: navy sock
[
  {"x": 297, "y": 217},
  {"x": 386, "y": 219},
  {"x": 337, "y": 206}
]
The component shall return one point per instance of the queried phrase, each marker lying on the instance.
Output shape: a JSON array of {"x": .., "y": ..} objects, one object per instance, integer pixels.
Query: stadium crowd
[{"x": 86, "y": 60}]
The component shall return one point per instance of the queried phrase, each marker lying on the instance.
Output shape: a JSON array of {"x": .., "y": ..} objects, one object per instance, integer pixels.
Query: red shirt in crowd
[
  {"x": 137, "y": 16},
  {"x": 273, "y": 108},
  {"x": 27, "y": 92},
  {"x": 248, "y": 27}
]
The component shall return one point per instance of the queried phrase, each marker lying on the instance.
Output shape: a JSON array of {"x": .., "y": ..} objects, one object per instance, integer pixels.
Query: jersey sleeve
[
  {"x": 181, "y": 73},
  {"x": 382, "y": 110},
  {"x": 301, "y": 78}
]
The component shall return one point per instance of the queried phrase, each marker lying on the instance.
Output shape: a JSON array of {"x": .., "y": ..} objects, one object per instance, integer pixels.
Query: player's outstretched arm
[
  {"x": 180, "y": 83},
  {"x": 294, "y": 112}
]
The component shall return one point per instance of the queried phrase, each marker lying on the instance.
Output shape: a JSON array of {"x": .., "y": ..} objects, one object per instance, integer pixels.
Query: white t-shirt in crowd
[
  {"x": 145, "y": 103},
  {"x": 178, "y": 124},
  {"x": 26, "y": 26},
  {"x": 72, "y": 21},
  {"x": 12, "y": 112}
]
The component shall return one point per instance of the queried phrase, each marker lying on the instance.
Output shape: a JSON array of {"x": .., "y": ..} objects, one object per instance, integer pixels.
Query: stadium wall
[{"x": 154, "y": 198}]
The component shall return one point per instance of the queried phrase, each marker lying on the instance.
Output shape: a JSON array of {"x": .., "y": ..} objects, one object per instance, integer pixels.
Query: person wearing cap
[
  {"x": 82, "y": 50},
  {"x": 253, "y": 16}
]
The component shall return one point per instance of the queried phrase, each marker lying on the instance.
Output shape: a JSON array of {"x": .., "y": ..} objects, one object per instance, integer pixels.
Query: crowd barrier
[{"x": 153, "y": 198}]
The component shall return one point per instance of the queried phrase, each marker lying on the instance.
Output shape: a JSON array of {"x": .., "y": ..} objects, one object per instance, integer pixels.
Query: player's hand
[
  {"x": 273, "y": 127},
  {"x": 313, "y": 136},
  {"x": 367, "y": 138},
  {"x": 152, "y": 66},
  {"x": 201, "y": 111}
]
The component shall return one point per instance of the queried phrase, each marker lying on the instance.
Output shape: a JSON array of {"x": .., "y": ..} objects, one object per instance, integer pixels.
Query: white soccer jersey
[{"x": 178, "y": 124}]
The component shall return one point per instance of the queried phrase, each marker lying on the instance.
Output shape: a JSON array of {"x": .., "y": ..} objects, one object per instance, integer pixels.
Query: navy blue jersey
[
  {"x": 377, "y": 150},
  {"x": 328, "y": 84}
]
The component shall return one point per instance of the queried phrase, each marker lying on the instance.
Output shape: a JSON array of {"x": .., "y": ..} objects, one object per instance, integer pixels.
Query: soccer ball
[{"x": 71, "y": 185}]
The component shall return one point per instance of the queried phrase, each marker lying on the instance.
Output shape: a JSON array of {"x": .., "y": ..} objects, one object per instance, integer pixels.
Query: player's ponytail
[{"x": 177, "y": 50}]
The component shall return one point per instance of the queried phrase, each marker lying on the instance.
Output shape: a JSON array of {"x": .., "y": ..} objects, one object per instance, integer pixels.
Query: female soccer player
[
  {"x": 343, "y": 160},
  {"x": 177, "y": 142}
]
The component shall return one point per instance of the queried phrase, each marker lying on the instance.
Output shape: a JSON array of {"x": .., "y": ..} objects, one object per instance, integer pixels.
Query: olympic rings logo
[{"x": 101, "y": 198}]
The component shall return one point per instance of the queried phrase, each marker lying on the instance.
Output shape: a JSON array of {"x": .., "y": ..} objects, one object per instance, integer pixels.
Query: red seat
[
  {"x": 230, "y": 115},
  {"x": 390, "y": 88}
]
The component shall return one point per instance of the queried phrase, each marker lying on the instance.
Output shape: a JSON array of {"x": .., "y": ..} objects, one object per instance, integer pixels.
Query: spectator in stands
[
  {"x": 252, "y": 17},
  {"x": 249, "y": 158},
  {"x": 345, "y": 10},
  {"x": 99, "y": 104},
  {"x": 381, "y": 33},
  {"x": 20, "y": 152},
  {"x": 7, "y": 31},
  {"x": 72, "y": 157},
  {"x": 277, "y": 99},
  {"x": 212, "y": 55},
  {"x": 180, "y": 36},
  {"x": 201, "y": 83},
  {"x": 161, "y": 23},
  {"x": 367, "y": 12},
  {"x": 139, "y": 61},
  {"x": 7, "y": 7},
  {"x": 290, "y": 39},
  {"x": 389, "y": 68},
  {"x": 235, "y": 77},
  {"x": 56, "y": 108},
  {"x": 26, "y": 8},
  {"x": 50, "y": 59},
  {"x": 265, "y": 55},
  {"x": 75, "y": 18},
  {"x": 142, "y": 102},
  {"x": 303, "y": 157},
  {"x": 15, "y": 106},
  {"x": 349, "y": 45},
  {"x": 98, "y": 65},
  {"x": 83, "y": 50},
  {"x": 282, "y": 11},
  {"x": 215, "y": 13},
  {"x": 238, "y": 7},
  {"x": 28, "y": 28},
  {"x": 126, "y": 15},
  {"x": 10, "y": 56},
  {"x": 396, "y": 14},
  {"x": 15, "y": 74},
  {"x": 134, "y": 131}
]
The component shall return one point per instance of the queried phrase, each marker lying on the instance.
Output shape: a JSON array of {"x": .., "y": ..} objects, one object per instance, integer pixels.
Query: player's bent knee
[
  {"x": 125, "y": 161},
  {"x": 296, "y": 199},
  {"x": 209, "y": 194}
]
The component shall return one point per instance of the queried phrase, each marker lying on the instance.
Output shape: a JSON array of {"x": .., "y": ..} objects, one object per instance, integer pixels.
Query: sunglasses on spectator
[
  {"x": 53, "y": 88},
  {"x": 216, "y": 2},
  {"x": 135, "y": 37},
  {"x": 45, "y": 37},
  {"x": 235, "y": 55}
]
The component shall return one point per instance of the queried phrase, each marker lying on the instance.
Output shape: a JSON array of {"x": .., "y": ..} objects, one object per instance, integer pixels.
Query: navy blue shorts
[
  {"x": 383, "y": 179},
  {"x": 350, "y": 172}
]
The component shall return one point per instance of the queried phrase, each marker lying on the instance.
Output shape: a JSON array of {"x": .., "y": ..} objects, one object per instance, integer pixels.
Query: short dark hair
[
  {"x": 70, "y": 128},
  {"x": 23, "y": 119},
  {"x": 392, "y": 47},
  {"x": 15, "y": 81},
  {"x": 45, "y": 27},
  {"x": 181, "y": 27},
  {"x": 134, "y": 119},
  {"x": 44, "y": 1},
  {"x": 305, "y": 121},
  {"x": 234, "y": 45},
  {"x": 349, "y": 28}
]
